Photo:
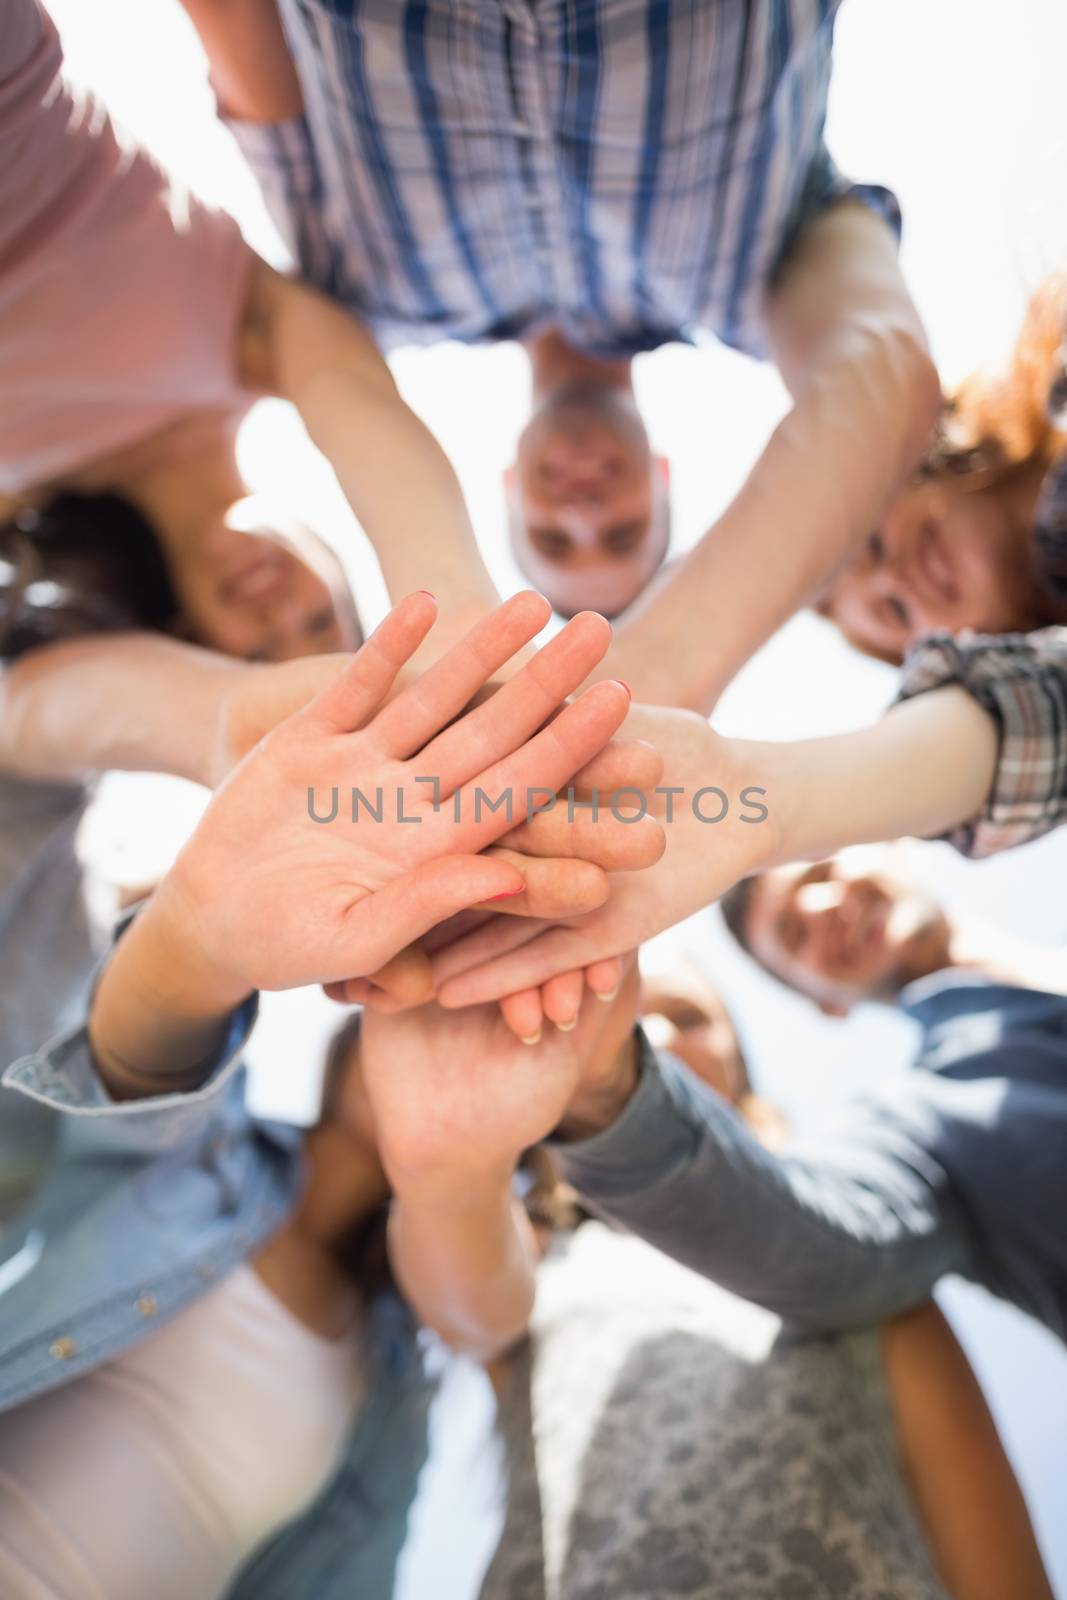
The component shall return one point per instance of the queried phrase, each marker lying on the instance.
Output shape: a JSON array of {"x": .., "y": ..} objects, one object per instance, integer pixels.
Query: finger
[
  {"x": 494, "y": 937},
  {"x": 542, "y": 766},
  {"x": 517, "y": 710},
  {"x": 554, "y": 951},
  {"x": 522, "y": 1014},
  {"x": 624, "y": 763},
  {"x": 554, "y": 889},
  {"x": 408, "y": 978},
  {"x": 561, "y": 998},
  {"x": 604, "y": 978},
  {"x": 383, "y": 923},
  {"x": 348, "y": 991},
  {"x": 356, "y": 693},
  {"x": 443, "y": 690},
  {"x": 614, "y": 840}
]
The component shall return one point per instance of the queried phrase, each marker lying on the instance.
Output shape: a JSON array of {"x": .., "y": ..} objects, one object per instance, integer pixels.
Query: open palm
[{"x": 279, "y": 899}]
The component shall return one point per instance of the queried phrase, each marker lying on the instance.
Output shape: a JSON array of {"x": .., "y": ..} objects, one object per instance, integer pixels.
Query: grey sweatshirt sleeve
[{"x": 839, "y": 1231}]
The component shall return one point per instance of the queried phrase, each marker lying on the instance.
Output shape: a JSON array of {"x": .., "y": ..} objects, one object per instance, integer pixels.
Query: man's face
[
  {"x": 840, "y": 931},
  {"x": 588, "y": 504}
]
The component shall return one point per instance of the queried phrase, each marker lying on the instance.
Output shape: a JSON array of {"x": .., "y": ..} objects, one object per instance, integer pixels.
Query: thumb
[{"x": 381, "y": 925}]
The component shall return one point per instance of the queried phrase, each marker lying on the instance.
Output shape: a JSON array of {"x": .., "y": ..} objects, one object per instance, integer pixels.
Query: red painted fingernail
[{"x": 509, "y": 894}]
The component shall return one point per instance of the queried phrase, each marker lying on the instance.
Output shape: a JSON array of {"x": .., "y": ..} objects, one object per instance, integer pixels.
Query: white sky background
[{"x": 958, "y": 107}]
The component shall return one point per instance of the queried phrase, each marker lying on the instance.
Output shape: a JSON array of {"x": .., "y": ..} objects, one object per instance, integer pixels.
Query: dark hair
[
  {"x": 81, "y": 564},
  {"x": 735, "y": 905}
]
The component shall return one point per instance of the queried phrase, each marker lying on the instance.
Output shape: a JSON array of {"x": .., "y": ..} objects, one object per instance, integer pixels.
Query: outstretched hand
[{"x": 273, "y": 899}]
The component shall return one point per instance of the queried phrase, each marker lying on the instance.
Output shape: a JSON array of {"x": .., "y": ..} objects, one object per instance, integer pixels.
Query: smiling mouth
[
  {"x": 264, "y": 578},
  {"x": 862, "y": 934}
]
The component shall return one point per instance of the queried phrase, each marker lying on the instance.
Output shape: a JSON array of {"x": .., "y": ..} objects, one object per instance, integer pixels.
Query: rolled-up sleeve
[
  {"x": 63, "y": 1077},
  {"x": 840, "y": 1231},
  {"x": 1021, "y": 680}
]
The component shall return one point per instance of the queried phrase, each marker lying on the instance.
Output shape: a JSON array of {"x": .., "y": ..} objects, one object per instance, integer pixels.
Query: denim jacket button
[
  {"x": 147, "y": 1305},
  {"x": 62, "y": 1349}
]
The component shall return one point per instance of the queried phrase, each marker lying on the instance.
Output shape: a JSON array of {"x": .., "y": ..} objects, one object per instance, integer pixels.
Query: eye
[
  {"x": 321, "y": 622},
  {"x": 876, "y": 547},
  {"x": 551, "y": 542},
  {"x": 621, "y": 540},
  {"x": 898, "y": 612}
]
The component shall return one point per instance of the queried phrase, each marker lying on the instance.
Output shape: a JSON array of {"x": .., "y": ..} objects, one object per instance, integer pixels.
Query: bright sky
[{"x": 959, "y": 108}]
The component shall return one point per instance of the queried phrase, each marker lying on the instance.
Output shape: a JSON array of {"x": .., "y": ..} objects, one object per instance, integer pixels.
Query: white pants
[{"x": 158, "y": 1474}]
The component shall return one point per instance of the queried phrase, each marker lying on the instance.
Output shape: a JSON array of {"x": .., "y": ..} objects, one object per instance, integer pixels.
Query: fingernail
[
  {"x": 532, "y": 1038},
  {"x": 624, "y": 685},
  {"x": 508, "y": 894},
  {"x": 609, "y": 997},
  {"x": 565, "y": 1027},
  {"x": 429, "y": 592}
]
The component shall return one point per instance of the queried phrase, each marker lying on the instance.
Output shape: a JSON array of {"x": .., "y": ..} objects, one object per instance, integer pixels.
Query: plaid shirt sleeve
[
  {"x": 1021, "y": 680},
  {"x": 282, "y": 159}
]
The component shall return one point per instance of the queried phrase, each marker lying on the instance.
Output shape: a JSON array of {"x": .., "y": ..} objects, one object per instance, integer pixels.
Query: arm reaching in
[
  {"x": 456, "y": 1100},
  {"x": 299, "y": 345},
  {"x": 142, "y": 702},
  {"x": 839, "y": 1231},
  {"x": 865, "y": 394},
  {"x": 926, "y": 768}
]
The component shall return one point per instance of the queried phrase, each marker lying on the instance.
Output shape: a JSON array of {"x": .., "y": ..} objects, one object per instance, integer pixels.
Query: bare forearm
[
  {"x": 394, "y": 474},
  {"x": 403, "y": 491},
  {"x": 464, "y": 1259},
  {"x": 822, "y": 481},
  {"x": 92, "y": 705},
  {"x": 252, "y": 71},
  {"x": 853, "y": 354},
  {"x": 925, "y": 768}
]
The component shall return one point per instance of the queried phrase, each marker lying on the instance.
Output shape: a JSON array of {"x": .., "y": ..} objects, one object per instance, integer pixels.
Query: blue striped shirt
[{"x": 630, "y": 172}]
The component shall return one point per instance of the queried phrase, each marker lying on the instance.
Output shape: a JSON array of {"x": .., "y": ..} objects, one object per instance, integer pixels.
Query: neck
[{"x": 556, "y": 367}]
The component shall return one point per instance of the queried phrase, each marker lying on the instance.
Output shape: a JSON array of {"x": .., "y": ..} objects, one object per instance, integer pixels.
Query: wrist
[
  {"x": 449, "y": 1189},
  {"x": 176, "y": 967},
  {"x": 158, "y": 1017},
  {"x": 602, "y": 1100}
]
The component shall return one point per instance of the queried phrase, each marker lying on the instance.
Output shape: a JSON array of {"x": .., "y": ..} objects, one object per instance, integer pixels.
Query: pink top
[{"x": 120, "y": 294}]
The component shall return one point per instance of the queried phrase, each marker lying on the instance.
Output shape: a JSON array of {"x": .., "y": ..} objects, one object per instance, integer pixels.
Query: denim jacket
[{"x": 149, "y": 1203}]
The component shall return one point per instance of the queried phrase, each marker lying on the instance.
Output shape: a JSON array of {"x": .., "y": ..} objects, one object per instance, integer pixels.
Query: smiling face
[
  {"x": 946, "y": 557},
  {"x": 588, "y": 503},
  {"x": 845, "y": 930},
  {"x": 263, "y": 594}
]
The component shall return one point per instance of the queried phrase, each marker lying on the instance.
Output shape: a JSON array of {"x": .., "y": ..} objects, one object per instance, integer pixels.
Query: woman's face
[
  {"x": 264, "y": 595},
  {"x": 944, "y": 558}
]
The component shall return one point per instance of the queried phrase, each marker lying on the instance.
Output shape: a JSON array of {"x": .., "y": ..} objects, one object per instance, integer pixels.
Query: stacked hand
[
  {"x": 272, "y": 899},
  {"x": 455, "y": 1095},
  {"x": 702, "y": 859}
]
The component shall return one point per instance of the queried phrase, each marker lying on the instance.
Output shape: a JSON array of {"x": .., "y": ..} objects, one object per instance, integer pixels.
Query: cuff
[
  {"x": 63, "y": 1076},
  {"x": 281, "y": 153},
  {"x": 1021, "y": 681},
  {"x": 642, "y": 1147},
  {"x": 825, "y": 186}
]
